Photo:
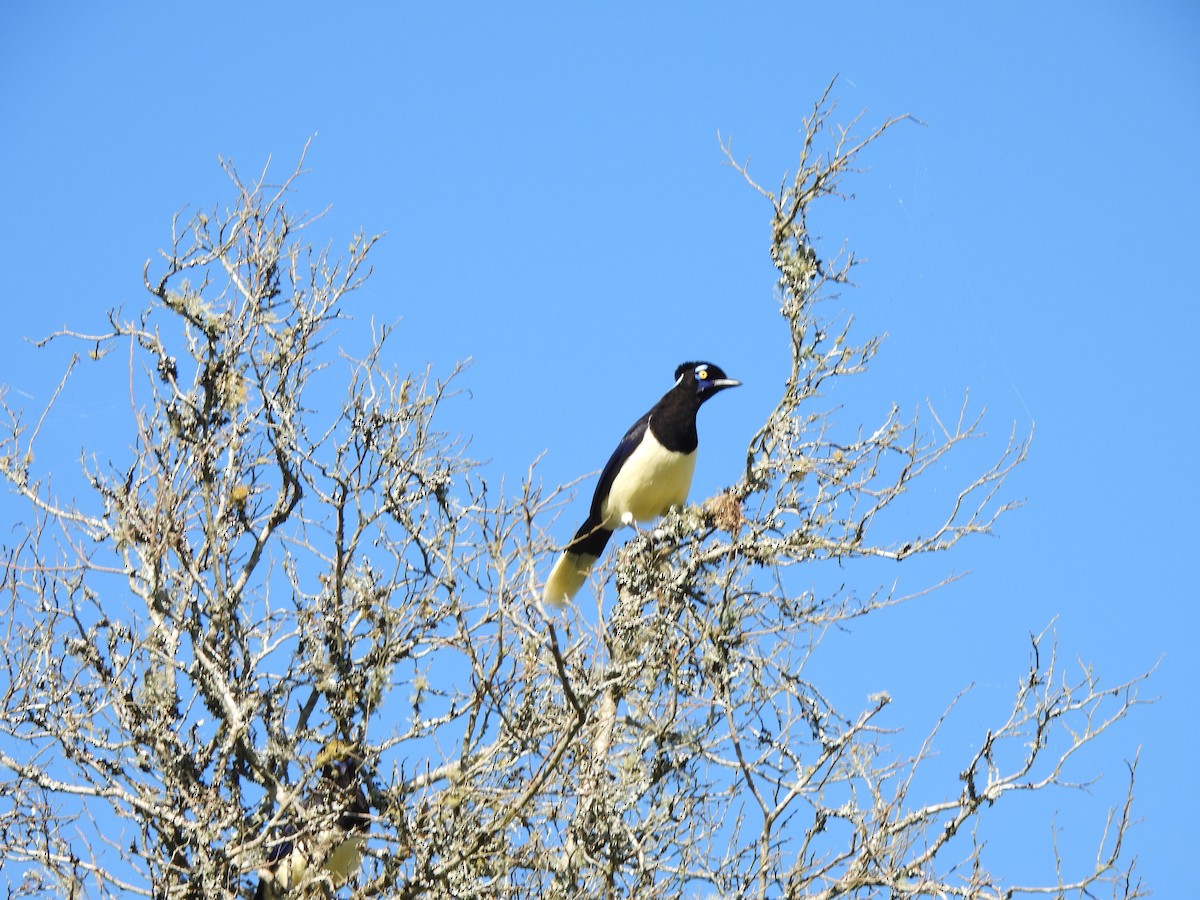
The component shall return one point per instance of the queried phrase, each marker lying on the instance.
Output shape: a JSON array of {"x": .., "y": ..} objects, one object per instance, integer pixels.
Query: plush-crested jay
[
  {"x": 332, "y": 854},
  {"x": 649, "y": 472}
]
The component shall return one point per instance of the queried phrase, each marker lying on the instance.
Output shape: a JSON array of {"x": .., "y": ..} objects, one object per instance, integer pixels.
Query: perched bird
[
  {"x": 649, "y": 472},
  {"x": 338, "y": 799}
]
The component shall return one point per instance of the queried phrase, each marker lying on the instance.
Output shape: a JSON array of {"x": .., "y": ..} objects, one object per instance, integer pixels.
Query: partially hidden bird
[
  {"x": 333, "y": 855},
  {"x": 649, "y": 473}
]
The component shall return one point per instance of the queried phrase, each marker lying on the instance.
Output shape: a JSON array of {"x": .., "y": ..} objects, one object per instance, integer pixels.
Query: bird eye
[{"x": 702, "y": 373}]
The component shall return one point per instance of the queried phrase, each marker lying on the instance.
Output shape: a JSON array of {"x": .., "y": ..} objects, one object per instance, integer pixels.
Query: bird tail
[{"x": 572, "y": 568}]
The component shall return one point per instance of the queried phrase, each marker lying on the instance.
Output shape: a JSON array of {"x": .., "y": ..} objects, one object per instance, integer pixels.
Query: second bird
[{"x": 649, "y": 472}]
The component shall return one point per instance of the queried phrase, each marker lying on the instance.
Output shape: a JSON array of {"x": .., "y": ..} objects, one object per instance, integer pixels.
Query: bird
[
  {"x": 649, "y": 472},
  {"x": 338, "y": 799}
]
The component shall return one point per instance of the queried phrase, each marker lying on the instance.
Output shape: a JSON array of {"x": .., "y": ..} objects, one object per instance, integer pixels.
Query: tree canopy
[{"x": 264, "y": 572}]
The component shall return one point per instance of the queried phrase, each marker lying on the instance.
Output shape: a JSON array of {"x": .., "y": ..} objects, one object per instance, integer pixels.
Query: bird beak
[{"x": 725, "y": 383}]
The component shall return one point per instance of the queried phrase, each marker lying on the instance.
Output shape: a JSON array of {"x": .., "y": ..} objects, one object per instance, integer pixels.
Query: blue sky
[{"x": 556, "y": 209}]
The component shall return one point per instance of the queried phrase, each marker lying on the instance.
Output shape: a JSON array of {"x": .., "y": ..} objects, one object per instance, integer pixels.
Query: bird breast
[{"x": 650, "y": 482}]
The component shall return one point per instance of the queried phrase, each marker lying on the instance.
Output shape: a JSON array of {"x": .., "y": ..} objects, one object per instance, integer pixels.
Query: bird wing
[{"x": 624, "y": 450}]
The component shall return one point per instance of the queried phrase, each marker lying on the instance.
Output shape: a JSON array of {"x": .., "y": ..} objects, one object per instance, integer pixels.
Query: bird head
[
  {"x": 703, "y": 379},
  {"x": 339, "y": 763}
]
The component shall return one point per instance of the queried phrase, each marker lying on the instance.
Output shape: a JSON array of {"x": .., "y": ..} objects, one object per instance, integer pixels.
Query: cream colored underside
[
  {"x": 342, "y": 862},
  {"x": 652, "y": 480}
]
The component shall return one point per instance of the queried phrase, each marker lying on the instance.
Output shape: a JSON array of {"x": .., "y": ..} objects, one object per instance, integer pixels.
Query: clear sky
[{"x": 555, "y": 206}]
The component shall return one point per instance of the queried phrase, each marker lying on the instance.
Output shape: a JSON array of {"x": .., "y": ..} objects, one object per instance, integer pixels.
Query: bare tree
[{"x": 258, "y": 580}]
